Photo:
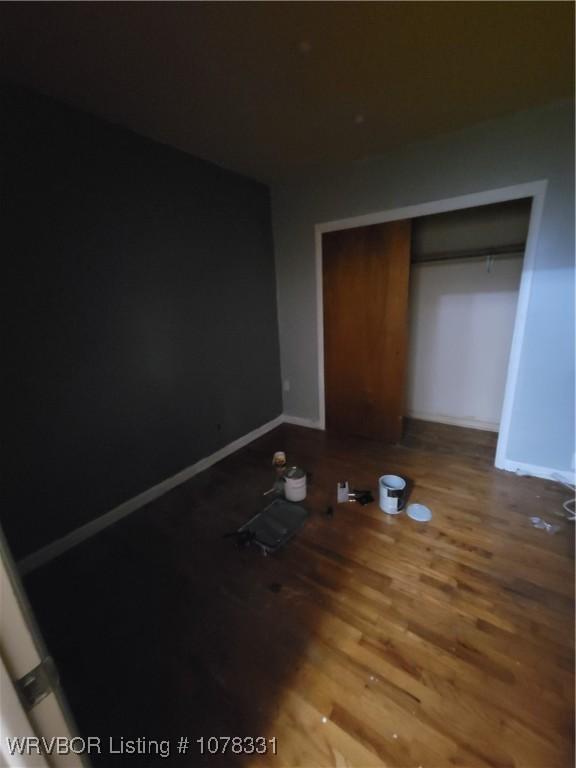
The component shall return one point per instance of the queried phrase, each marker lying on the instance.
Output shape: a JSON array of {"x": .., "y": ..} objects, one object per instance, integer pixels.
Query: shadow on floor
[{"x": 162, "y": 628}]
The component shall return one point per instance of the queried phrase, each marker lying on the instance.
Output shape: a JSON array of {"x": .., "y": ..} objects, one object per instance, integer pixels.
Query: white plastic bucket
[
  {"x": 392, "y": 491},
  {"x": 295, "y": 484}
]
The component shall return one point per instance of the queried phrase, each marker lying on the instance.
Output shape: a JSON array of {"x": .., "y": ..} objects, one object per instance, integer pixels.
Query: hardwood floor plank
[{"x": 369, "y": 640}]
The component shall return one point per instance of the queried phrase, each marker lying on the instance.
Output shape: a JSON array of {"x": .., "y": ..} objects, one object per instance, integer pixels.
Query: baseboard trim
[
  {"x": 75, "y": 537},
  {"x": 486, "y": 426},
  {"x": 56, "y": 548},
  {"x": 298, "y": 421},
  {"x": 533, "y": 470}
]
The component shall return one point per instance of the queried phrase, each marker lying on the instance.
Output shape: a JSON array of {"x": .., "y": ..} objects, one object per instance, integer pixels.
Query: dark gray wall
[{"x": 141, "y": 318}]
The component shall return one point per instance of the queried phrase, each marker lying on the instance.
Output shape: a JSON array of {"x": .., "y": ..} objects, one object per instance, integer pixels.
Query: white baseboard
[
  {"x": 298, "y": 421},
  {"x": 487, "y": 426},
  {"x": 72, "y": 539},
  {"x": 533, "y": 470},
  {"x": 58, "y": 547}
]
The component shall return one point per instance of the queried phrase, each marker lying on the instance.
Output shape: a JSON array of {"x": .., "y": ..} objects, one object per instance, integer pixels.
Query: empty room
[{"x": 289, "y": 384}]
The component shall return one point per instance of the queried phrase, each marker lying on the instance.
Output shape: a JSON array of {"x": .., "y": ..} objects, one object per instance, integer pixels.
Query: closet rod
[{"x": 500, "y": 250}]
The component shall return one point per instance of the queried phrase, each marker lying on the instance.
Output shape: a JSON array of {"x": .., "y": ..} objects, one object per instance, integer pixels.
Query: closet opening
[
  {"x": 446, "y": 286},
  {"x": 465, "y": 273}
]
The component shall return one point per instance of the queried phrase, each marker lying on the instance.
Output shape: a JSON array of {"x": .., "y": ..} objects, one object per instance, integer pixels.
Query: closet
[{"x": 419, "y": 317}]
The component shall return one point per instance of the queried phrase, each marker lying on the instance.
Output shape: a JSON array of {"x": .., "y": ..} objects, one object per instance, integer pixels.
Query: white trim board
[
  {"x": 454, "y": 421},
  {"x": 535, "y": 190},
  {"x": 72, "y": 539},
  {"x": 531, "y": 470},
  {"x": 298, "y": 421},
  {"x": 58, "y": 547}
]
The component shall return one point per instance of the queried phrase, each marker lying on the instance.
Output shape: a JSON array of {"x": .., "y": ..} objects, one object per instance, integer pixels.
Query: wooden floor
[
  {"x": 368, "y": 641},
  {"x": 429, "y": 436}
]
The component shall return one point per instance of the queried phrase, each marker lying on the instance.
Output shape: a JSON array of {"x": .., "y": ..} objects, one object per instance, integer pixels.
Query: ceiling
[{"x": 270, "y": 89}]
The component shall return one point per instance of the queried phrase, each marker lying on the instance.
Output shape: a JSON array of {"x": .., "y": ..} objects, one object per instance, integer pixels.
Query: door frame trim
[{"x": 535, "y": 190}]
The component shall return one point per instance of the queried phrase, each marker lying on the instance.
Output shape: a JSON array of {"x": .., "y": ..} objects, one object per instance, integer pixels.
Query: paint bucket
[
  {"x": 392, "y": 493},
  {"x": 295, "y": 484}
]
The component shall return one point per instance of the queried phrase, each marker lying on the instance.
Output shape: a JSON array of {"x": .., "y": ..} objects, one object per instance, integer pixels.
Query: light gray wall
[{"x": 519, "y": 148}]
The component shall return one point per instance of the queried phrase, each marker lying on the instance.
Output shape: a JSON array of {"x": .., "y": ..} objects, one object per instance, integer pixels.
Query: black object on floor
[
  {"x": 275, "y": 525},
  {"x": 362, "y": 497}
]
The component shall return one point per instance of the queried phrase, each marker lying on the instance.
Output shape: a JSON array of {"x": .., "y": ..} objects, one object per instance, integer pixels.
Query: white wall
[
  {"x": 461, "y": 324},
  {"x": 516, "y": 149}
]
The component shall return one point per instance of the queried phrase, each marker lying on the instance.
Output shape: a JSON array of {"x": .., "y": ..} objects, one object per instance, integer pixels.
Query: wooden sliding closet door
[{"x": 365, "y": 282}]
